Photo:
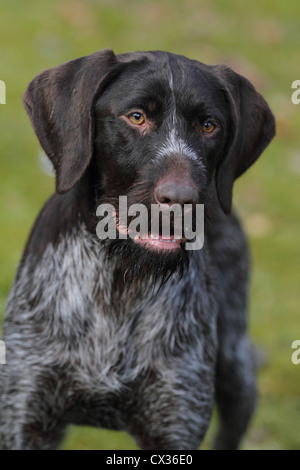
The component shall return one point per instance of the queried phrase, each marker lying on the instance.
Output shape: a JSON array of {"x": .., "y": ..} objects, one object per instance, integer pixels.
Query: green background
[{"x": 259, "y": 39}]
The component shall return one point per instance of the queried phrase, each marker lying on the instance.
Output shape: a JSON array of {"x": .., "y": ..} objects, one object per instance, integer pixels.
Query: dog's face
[{"x": 155, "y": 127}]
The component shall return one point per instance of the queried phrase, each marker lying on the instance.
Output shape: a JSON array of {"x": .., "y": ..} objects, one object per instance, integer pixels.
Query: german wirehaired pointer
[{"x": 134, "y": 334}]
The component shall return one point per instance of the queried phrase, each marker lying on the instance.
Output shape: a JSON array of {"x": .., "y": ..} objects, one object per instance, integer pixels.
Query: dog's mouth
[
  {"x": 163, "y": 242},
  {"x": 155, "y": 255},
  {"x": 159, "y": 242},
  {"x": 153, "y": 241}
]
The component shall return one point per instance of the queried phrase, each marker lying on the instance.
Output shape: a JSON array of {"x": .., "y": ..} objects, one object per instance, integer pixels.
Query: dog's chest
[
  {"x": 70, "y": 296},
  {"x": 108, "y": 343},
  {"x": 161, "y": 342}
]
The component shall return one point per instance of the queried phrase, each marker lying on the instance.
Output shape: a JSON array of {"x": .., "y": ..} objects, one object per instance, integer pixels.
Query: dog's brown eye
[
  {"x": 207, "y": 127},
  {"x": 136, "y": 118}
]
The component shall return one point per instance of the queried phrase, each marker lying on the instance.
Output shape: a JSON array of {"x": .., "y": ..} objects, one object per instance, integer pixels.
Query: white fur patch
[{"x": 176, "y": 145}]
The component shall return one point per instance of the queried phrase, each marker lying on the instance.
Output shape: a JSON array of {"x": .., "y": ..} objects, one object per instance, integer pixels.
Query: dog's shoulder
[{"x": 61, "y": 216}]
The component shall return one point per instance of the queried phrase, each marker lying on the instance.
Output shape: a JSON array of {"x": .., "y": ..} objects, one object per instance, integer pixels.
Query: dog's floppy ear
[
  {"x": 252, "y": 128},
  {"x": 59, "y": 103}
]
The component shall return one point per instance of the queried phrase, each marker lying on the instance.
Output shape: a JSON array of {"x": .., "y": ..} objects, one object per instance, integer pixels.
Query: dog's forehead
[
  {"x": 159, "y": 74},
  {"x": 164, "y": 65}
]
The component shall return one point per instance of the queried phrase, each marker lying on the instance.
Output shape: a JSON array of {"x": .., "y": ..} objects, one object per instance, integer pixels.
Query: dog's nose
[{"x": 175, "y": 191}]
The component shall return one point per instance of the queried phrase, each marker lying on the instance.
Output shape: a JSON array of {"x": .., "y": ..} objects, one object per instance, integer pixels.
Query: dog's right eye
[{"x": 136, "y": 118}]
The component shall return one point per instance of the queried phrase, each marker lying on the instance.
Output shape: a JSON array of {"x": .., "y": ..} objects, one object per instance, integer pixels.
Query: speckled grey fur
[{"x": 92, "y": 365}]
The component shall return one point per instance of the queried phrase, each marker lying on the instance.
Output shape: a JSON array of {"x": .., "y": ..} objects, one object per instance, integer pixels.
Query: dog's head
[{"x": 156, "y": 127}]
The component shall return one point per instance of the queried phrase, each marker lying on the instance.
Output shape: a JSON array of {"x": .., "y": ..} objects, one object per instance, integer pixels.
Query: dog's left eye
[
  {"x": 207, "y": 127},
  {"x": 136, "y": 118}
]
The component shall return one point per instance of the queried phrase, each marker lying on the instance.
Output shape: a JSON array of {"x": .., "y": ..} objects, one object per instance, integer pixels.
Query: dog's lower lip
[{"x": 158, "y": 242}]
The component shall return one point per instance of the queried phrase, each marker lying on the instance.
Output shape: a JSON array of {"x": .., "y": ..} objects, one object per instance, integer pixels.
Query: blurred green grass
[{"x": 259, "y": 39}]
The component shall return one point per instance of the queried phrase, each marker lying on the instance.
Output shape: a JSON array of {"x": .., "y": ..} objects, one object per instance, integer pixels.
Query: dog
[{"x": 136, "y": 334}]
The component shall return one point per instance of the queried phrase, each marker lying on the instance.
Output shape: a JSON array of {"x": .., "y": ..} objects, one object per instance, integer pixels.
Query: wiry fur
[
  {"x": 100, "y": 351},
  {"x": 108, "y": 333}
]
